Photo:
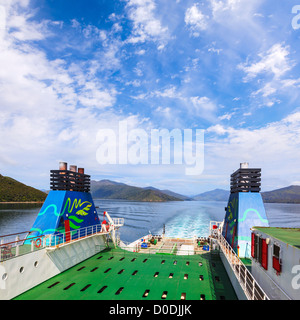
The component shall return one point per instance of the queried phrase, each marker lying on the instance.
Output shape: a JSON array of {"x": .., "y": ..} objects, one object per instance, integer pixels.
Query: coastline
[{"x": 21, "y": 202}]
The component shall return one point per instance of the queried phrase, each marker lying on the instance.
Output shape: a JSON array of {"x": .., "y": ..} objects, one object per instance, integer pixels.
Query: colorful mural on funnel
[
  {"x": 244, "y": 211},
  {"x": 65, "y": 211}
]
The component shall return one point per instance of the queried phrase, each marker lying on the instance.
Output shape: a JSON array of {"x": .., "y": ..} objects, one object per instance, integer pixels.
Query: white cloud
[
  {"x": 226, "y": 116},
  {"x": 275, "y": 145},
  {"x": 203, "y": 107},
  {"x": 146, "y": 27},
  {"x": 196, "y": 20},
  {"x": 275, "y": 62},
  {"x": 234, "y": 9},
  {"x": 49, "y": 109},
  {"x": 270, "y": 71}
]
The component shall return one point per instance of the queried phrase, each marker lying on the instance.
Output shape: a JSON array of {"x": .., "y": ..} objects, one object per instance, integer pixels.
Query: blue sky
[{"x": 71, "y": 68}]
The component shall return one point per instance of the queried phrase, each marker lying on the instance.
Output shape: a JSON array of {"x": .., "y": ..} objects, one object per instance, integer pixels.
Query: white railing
[
  {"x": 54, "y": 240},
  {"x": 118, "y": 222},
  {"x": 250, "y": 286},
  {"x": 22, "y": 243}
]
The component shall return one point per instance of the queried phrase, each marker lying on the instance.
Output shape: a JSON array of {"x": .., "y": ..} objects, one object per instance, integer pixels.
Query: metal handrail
[
  {"x": 18, "y": 247},
  {"x": 250, "y": 286}
]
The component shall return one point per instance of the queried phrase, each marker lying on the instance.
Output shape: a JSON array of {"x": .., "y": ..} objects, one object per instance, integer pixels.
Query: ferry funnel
[{"x": 244, "y": 210}]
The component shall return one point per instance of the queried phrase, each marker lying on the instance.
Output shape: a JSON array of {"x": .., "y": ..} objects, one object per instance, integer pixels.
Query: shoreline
[{"x": 21, "y": 202}]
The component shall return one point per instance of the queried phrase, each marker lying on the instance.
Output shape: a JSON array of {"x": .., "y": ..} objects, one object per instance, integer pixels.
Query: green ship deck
[
  {"x": 287, "y": 235},
  {"x": 116, "y": 274}
]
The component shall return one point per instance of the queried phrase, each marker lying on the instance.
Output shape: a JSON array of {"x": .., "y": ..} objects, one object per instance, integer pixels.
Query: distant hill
[
  {"x": 171, "y": 193},
  {"x": 289, "y": 194},
  {"x": 14, "y": 191},
  {"x": 214, "y": 195},
  {"x": 106, "y": 189}
]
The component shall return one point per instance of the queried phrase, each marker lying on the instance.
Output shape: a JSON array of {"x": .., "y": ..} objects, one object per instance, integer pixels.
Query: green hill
[
  {"x": 214, "y": 195},
  {"x": 15, "y": 191},
  {"x": 289, "y": 194},
  {"x": 106, "y": 189}
]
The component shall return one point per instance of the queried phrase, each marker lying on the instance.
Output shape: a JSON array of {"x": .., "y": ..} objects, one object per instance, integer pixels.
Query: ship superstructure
[{"x": 70, "y": 254}]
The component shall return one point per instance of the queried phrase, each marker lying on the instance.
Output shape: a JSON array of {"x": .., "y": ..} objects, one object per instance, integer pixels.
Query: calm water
[{"x": 182, "y": 219}]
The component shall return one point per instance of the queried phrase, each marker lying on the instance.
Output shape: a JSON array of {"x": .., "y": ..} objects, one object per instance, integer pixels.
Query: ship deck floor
[{"x": 115, "y": 274}]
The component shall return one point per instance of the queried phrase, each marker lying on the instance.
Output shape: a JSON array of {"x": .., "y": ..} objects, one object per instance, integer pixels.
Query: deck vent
[
  {"x": 187, "y": 263},
  {"x": 121, "y": 271},
  {"x": 107, "y": 270},
  {"x": 81, "y": 268},
  {"x": 217, "y": 278},
  {"x": 102, "y": 289},
  {"x": 122, "y": 259},
  {"x": 183, "y": 296},
  {"x": 133, "y": 259},
  {"x": 69, "y": 286},
  {"x": 94, "y": 269},
  {"x": 175, "y": 262},
  {"x": 145, "y": 295},
  {"x": 99, "y": 257},
  {"x": 186, "y": 276},
  {"x": 202, "y": 297},
  {"x": 201, "y": 277},
  {"x": 135, "y": 272},
  {"x": 164, "y": 295},
  {"x": 163, "y": 261},
  {"x": 54, "y": 284},
  {"x": 156, "y": 274},
  {"x": 145, "y": 260},
  {"x": 200, "y": 264},
  {"x": 171, "y": 275},
  {"x": 87, "y": 286},
  {"x": 110, "y": 258},
  {"x": 119, "y": 291}
]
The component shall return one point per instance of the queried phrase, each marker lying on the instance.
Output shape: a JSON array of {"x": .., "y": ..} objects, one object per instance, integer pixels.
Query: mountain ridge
[
  {"x": 12, "y": 190},
  {"x": 107, "y": 189},
  {"x": 290, "y": 194}
]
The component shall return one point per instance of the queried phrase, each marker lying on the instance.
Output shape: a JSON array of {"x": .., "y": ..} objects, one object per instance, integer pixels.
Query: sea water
[{"x": 181, "y": 218}]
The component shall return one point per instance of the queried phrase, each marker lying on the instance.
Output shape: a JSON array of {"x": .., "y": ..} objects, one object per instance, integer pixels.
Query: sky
[{"x": 69, "y": 69}]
